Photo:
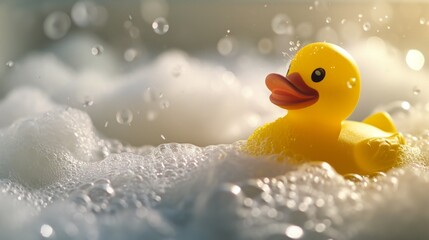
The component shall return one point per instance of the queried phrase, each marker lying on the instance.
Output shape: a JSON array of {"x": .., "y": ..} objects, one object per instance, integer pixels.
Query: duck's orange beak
[{"x": 290, "y": 92}]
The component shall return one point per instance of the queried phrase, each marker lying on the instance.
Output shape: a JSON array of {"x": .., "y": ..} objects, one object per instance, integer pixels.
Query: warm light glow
[
  {"x": 294, "y": 232},
  {"x": 415, "y": 59}
]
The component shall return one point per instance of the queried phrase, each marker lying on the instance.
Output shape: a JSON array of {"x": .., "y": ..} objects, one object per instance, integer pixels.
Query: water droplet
[
  {"x": 328, "y": 20},
  {"x": 151, "y": 115},
  {"x": 265, "y": 45},
  {"x": 398, "y": 107},
  {"x": 88, "y": 101},
  {"x": 416, "y": 90},
  {"x": 160, "y": 26},
  {"x": 353, "y": 177},
  {"x": 56, "y": 25},
  {"x": 134, "y": 32},
  {"x": 225, "y": 46},
  {"x": 294, "y": 232},
  {"x": 164, "y": 104},
  {"x": 422, "y": 20},
  {"x": 130, "y": 17},
  {"x": 351, "y": 83},
  {"x": 10, "y": 63},
  {"x": 46, "y": 231},
  {"x": 130, "y": 54},
  {"x": 152, "y": 94},
  {"x": 163, "y": 137},
  {"x": 415, "y": 59},
  {"x": 101, "y": 192},
  {"x": 343, "y": 21},
  {"x": 97, "y": 50},
  {"x": 124, "y": 116},
  {"x": 87, "y": 13},
  {"x": 366, "y": 26},
  {"x": 282, "y": 25},
  {"x": 228, "y": 31},
  {"x": 320, "y": 227},
  {"x": 80, "y": 198},
  {"x": 106, "y": 124}
]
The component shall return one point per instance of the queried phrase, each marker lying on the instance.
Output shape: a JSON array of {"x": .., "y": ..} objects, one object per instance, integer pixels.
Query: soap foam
[
  {"x": 182, "y": 191},
  {"x": 172, "y": 86}
]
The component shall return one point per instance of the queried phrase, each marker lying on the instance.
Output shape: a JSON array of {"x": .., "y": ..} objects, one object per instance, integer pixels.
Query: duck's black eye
[{"x": 318, "y": 75}]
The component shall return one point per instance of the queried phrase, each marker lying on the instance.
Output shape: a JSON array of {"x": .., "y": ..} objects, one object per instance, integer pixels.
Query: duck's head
[{"x": 322, "y": 82}]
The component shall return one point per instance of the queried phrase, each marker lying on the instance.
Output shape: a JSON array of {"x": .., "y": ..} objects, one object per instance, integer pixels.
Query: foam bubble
[{"x": 38, "y": 151}]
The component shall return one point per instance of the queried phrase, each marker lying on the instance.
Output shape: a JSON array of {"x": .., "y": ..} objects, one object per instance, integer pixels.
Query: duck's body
[
  {"x": 315, "y": 127},
  {"x": 358, "y": 147}
]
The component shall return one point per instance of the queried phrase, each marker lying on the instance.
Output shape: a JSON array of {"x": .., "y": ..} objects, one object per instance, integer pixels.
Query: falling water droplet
[
  {"x": 398, "y": 107},
  {"x": 416, "y": 90},
  {"x": 46, "y": 231},
  {"x": 10, "y": 63},
  {"x": 106, "y": 124},
  {"x": 130, "y": 54},
  {"x": 124, "y": 116},
  {"x": 343, "y": 21},
  {"x": 164, "y": 104},
  {"x": 328, "y": 20},
  {"x": 88, "y": 13},
  {"x": 225, "y": 46},
  {"x": 88, "y": 101},
  {"x": 56, "y": 25},
  {"x": 265, "y": 46},
  {"x": 160, "y": 26},
  {"x": 366, "y": 26},
  {"x": 163, "y": 137},
  {"x": 151, "y": 116},
  {"x": 320, "y": 227},
  {"x": 97, "y": 50},
  {"x": 422, "y": 21},
  {"x": 294, "y": 232},
  {"x": 281, "y": 25},
  {"x": 351, "y": 83}
]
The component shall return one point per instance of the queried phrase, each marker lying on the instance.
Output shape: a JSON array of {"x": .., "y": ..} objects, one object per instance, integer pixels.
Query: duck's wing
[{"x": 381, "y": 120}]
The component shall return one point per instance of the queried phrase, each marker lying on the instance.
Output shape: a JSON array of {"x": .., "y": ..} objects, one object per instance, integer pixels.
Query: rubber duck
[{"x": 320, "y": 91}]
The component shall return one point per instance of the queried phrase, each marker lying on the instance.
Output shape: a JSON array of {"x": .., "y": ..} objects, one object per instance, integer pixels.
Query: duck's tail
[{"x": 381, "y": 120}]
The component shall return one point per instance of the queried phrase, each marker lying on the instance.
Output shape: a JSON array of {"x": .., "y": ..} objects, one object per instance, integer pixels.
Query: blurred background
[{"x": 156, "y": 71}]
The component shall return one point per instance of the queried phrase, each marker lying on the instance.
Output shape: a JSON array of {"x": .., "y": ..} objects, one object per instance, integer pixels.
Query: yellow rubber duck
[{"x": 320, "y": 90}]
